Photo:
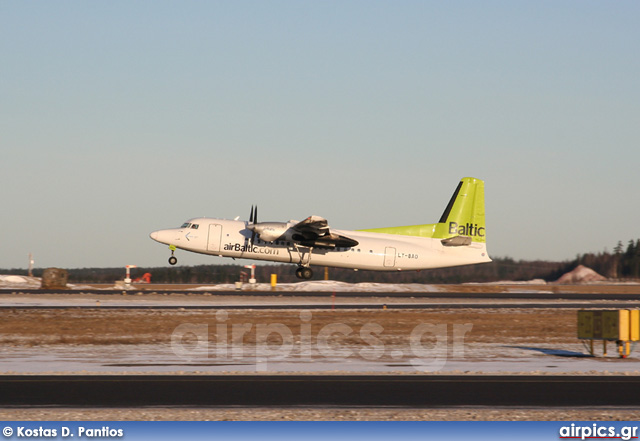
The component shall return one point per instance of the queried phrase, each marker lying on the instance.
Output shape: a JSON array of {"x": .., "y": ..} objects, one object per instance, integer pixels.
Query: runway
[
  {"x": 319, "y": 390},
  {"x": 525, "y": 295},
  {"x": 305, "y": 300}
]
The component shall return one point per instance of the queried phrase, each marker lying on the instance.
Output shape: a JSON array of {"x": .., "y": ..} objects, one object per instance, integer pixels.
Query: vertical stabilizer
[{"x": 463, "y": 220}]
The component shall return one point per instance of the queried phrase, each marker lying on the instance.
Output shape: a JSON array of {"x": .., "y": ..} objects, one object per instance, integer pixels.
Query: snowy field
[
  {"x": 24, "y": 282},
  {"x": 500, "y": 357},
  {"x": 14, "y": 282},
  {"x": 569, "y": 358}
]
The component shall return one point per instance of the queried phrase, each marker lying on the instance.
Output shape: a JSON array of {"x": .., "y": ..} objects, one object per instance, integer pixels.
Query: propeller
[{"x": 253, "y": 220}]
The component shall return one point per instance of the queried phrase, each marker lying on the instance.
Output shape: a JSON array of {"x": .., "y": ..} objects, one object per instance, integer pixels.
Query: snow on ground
[
  {"x": 581, "y": 274},
  {"x": 511, "y": 282},
  {"x": 569, "y": 358},
  {"x": 18, "y": 282},
  {"x": 326, "y": 286},
  {"x": 26, "y": 282}
]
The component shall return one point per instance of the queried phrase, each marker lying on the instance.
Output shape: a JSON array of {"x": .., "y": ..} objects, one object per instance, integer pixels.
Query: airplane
[{"x": 459, "y": 238}]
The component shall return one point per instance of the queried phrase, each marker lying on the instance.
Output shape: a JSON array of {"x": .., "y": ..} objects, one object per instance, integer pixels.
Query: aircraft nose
[{"x": 154, "y": 236}]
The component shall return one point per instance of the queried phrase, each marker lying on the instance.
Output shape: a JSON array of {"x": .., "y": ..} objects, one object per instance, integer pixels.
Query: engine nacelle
[{"x": 269, "y": 231}]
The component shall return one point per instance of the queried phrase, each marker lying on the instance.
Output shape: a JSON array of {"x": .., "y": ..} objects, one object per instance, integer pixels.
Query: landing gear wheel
[
  {"x": 304, "y": 273},
  {"x": 173, "y": 260},
  {"x": 307, "y": 273}
]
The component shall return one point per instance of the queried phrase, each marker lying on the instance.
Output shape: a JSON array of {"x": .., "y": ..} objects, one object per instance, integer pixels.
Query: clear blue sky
[{"x": 118, "y": 118}]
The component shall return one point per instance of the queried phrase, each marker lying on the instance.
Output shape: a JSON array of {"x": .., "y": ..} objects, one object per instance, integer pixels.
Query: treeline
[{"x": 623, "y": 263}]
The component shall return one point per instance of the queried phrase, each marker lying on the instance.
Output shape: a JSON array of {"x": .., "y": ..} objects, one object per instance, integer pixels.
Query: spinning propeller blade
[{"x": 253, "y": 219}]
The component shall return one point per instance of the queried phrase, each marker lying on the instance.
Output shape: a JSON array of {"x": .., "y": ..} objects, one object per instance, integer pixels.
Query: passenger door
[
  {"x": 389, "y": 257},
  {"x": 215, "y": 236}
]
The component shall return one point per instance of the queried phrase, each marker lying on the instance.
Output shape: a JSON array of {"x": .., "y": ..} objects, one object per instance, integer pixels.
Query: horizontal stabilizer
[{"x": 457, "y": 241}]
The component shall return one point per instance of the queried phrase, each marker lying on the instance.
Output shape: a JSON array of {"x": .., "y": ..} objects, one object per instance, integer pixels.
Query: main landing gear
[
  {"x": 173, "y": 259},
  {"x": 304, "y": 272}
]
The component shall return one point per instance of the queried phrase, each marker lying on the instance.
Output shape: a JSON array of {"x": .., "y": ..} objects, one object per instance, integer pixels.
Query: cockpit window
[
  {"x": 186, "y": 225},
  {"x": 195, "y": 226}
]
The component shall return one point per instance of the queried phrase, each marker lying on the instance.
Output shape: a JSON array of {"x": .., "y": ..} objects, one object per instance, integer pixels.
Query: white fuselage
[{"x": 375, "y": 251}]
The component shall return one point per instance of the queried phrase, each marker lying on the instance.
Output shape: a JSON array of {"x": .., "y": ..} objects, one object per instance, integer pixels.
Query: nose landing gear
[{"x": 173, "y": 259}]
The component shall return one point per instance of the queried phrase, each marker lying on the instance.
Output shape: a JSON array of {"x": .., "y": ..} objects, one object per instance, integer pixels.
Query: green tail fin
[
  {"x": 464, "y": 215},
  {"x": 462, "y": 221}
]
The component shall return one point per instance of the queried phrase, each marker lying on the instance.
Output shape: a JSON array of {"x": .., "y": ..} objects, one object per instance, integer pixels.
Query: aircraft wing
[
  {"x": 314, "y": 232},
  {"x": 312, "y": 227}
]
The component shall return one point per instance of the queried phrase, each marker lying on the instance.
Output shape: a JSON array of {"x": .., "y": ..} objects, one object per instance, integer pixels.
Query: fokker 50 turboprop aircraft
[{"x": 459, "y": 238}]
